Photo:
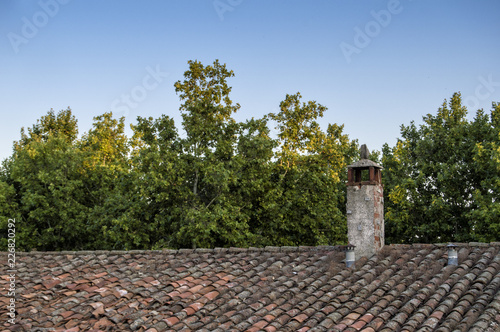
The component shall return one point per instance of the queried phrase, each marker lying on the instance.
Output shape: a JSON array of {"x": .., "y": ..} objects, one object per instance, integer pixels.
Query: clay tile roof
[{"x": 402, "y": 288}]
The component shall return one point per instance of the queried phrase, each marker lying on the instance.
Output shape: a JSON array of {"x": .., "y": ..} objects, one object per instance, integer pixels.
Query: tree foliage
[
  {"x": 217, "y": 182},
  {"x": 441, "y": 178},
  {"x": 309, "y": 169},
  {"x": 45, "y": 174},
  {"x": 220, "y": 183}
]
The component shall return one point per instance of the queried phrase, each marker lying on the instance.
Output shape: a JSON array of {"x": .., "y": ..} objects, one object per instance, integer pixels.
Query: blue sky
[{"x": 374, "y": 64}]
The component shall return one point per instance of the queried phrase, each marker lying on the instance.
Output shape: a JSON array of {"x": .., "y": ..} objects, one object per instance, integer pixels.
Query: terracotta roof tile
[{"x": 407, "y": 288}]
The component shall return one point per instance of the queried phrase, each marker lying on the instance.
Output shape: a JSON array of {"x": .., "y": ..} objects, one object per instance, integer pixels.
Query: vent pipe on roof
[
  {"x": 452, "y": 254},
  {"x": 350, "y": 257}
]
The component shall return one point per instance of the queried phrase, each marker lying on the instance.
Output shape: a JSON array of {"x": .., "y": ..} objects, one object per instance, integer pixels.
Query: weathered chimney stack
[{"x": 365, "y": 205}]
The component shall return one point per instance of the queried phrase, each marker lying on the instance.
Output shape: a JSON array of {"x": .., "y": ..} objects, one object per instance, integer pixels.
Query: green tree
[
  {"x": 62, "y": 124},
  {"x": 223, "y": 183},
  {"x": 106, "y": 142},
  {"x": 311, "y": 167},
  {"x": 9, "y": 201},
  {"x": 210, "y": 217},
  {"x": 108, "y": 182},
  {"x": 218, "y": 183},
  {"x": 160, "y": 186},
  {"x": 256, "y": 191},
  {"x": 67, "y": 193},
  {"x": 188, "y": 186},
  {"x": 44, "y": 180},
  {"x": 434, "y": 175},
  {"x": 48, "y": 181},
  {"x": 486, "y": 216}
]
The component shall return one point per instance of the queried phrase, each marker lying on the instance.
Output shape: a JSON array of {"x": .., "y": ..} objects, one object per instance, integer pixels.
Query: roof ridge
[
  {"x": 218, "y": 250},
  {"x": 241, "y": 249}
]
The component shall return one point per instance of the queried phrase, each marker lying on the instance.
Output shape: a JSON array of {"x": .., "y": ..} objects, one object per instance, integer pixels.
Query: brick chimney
[{"x": 365, "y": 205}]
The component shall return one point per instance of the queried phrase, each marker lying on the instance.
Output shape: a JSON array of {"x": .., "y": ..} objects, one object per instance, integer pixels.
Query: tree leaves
[
  {"x": 225, "y": 183},
  {"x": 438, "y": 176},
  {"x": 221, "y": 184}
]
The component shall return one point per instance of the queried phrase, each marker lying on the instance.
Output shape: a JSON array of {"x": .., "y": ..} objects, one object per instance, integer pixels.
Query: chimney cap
[
  {"x": 346, "y": 247},
  {"x": 364, "y": 152},
  {"x": 350, "y": 246},
  {"x": 364, "y": 162}
]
